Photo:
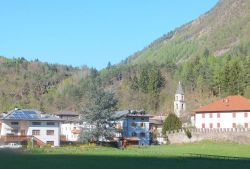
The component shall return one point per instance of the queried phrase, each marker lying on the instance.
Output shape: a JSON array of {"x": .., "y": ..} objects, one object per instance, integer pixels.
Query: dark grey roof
[
  {"x": 72, "y": 119},
  {"x": 120, "y": 114},
  {"x": 156, "y": 121},
  {"x": 67, "y": 113},
  {"x": 27, "y": 114},
  {"x": 179, "y": 89},
  {"x": 129, "y": 113}
]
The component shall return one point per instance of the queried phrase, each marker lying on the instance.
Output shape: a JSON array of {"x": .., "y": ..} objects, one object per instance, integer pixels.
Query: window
[
  {"x": 182, "y": 97},
  {"x": 234, "y": 115},
  {"x": 50, "y": 123},
  {"x": 176, "y": 106},
  {"x": 203, "y": 115},
  {"x": 218, "y": 125},
  {"x": 133, "y": 124},
  {"x": 14, "y": 123},
  {"x": 246, "y": 114},
  {"x": 142, "y": 125},
  {"x": 142, "y": 118},
  {"x": 234, "y": 125},
  {"x": 176, "y": 98},
  {"x": 142, "y": 134},
  {"x": 218, "y": 115},
  {"x": 203, "y": 125},
  {"x": 246, "y": 125},
  {"x": 211, "y": 125},
  {"x": 182, "y": 106},
  {"x": 36, "y": 132},
  {"x": 50, "y": 142},
  {"x": 134, "y": 134},
  {"x": 15, "y": 132},
  {"x": 50, "y": 132},
  {"x": 211, "y": 115},
  {"x": 36, "y": 123}
]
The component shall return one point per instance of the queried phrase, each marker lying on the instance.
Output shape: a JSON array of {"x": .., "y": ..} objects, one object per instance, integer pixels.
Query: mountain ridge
[{"x": 222, "y": 30}]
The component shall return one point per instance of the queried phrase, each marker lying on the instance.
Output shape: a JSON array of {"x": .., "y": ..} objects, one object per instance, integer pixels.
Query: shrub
[
  {"x": 172, "y": 122},
  {"x": 188, "y": 133}
]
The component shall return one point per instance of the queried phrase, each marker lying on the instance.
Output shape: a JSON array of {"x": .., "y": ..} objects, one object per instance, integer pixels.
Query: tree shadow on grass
[{"x": 29, "y": 161}]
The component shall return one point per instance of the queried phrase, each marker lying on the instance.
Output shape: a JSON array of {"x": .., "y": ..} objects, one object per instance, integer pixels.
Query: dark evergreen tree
[{"x": 172, "y": 122}]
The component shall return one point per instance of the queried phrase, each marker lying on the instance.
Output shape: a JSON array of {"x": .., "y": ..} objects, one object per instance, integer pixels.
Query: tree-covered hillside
[
  {"x": 210, "y": 56},
  {"x": 223, "y": 30},
  {"x": 152, "y": 86},
  {"x": 23, "y": 84}
]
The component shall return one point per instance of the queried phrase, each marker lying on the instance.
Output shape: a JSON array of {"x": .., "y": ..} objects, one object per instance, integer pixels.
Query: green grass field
[{"x": 153, "y": 157}]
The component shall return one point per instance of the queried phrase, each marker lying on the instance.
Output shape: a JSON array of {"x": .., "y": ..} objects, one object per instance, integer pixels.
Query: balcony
[{"x": 16, "y": 138}]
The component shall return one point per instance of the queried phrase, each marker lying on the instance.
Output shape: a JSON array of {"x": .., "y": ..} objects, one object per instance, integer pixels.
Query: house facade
[
  {"x": 70, "y": 126},
  {"x": 156, "y": 126},
  {"x": 21, "y": 125},
  {"x": 133, "y": 126},
  {"x": 230, "y": 112}
]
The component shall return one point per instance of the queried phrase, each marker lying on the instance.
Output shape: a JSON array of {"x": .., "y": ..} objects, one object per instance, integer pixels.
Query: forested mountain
[
  {"x": 24, "y": 84},
  {"x": 223, "y": 30},
  {"x": 210, "y": 56}
]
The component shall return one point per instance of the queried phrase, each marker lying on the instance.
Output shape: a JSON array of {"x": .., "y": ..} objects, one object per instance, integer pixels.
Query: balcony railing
[{"x": 15, "y": 138}]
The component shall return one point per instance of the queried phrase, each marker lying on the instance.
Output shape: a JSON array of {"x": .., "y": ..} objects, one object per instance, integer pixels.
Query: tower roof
[{"x": 179, "y": 89}]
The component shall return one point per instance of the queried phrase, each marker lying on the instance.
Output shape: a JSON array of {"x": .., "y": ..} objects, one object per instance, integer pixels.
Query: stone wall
[{"x": 240, "y": 135}]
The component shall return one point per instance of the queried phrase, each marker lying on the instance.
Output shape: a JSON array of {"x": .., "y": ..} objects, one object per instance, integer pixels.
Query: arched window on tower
[{"x": 176, "y": 97}]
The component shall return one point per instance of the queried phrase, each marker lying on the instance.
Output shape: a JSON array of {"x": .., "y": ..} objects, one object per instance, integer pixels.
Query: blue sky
[{"x": 93, "y": 32}]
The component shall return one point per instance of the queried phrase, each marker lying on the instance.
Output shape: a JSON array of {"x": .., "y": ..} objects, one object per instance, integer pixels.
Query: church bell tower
[{"x": 179, "y": 102}]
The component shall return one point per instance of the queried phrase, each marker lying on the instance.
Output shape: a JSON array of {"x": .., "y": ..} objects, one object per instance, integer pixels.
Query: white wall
[
  {"x": 43, "y": 132},
  {"x": 66, "y": 130},
  {"x": 27, "y": 125},
  {"x": 226, "y": 120}
]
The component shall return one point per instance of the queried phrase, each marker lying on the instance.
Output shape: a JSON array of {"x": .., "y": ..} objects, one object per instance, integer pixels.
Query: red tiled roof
[{"x": 230, "y": 103}]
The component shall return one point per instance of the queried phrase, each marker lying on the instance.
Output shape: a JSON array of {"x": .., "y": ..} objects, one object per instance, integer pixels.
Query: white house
[
  {"x": 156, "y": 126},
  {"x": 230, "y": 112},
  {"x": 20, "y": 125},
  {"x": 70, "y": 126},
  {"x": 179, "y": 101}
]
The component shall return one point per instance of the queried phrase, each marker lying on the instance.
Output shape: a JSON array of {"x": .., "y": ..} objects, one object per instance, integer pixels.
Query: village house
[
  {"x": 21, "y": 125},
  {"x": 156, "y": 126},
  {"x": 70, "y": 126},
  {"x": 230, "y": 112},
  {"x": 133, "y": 126}
]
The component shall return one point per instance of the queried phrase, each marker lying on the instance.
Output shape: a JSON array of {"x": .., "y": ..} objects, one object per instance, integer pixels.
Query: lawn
[{"x": 153, "y": 157}]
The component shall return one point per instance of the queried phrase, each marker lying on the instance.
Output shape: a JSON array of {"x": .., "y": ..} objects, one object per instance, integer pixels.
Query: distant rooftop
[
  {"x": 28, "y": 114},
  {"x": 67, "y": 113},
  {"x": 130, "y": 113},
  {"x": 228, "y": 104}
]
